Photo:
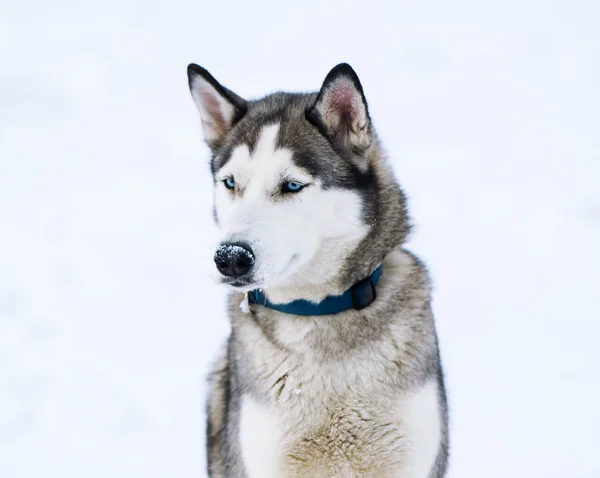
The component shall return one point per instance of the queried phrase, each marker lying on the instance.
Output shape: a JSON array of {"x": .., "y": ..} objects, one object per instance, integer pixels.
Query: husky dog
[{"x": 332, "y": 367}]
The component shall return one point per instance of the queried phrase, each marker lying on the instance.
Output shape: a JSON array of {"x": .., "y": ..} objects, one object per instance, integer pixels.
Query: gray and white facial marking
[{"x": 263, "y": 198}]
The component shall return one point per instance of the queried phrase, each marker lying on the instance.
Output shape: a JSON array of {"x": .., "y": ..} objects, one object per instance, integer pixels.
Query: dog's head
[{"x": 297, "y": 180}]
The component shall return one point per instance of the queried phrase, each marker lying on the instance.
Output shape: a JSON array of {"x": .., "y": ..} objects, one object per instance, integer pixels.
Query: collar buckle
[{"x": 364, "y": 293}]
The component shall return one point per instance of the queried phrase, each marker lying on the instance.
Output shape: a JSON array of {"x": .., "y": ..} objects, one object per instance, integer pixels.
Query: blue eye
[
  {"x": 292, "y": 187},
  {"x": 229, "y": 183}
]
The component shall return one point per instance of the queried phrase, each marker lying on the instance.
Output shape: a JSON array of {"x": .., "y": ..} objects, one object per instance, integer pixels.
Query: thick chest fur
[{"x": 361, "y": 433}]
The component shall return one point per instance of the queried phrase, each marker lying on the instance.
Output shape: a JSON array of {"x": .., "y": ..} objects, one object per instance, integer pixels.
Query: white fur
[
  {"x": 299, "y": 240},
  {"x": 260, "y": 438},
  {"x": 423, "y": 424},
  {"x": 244, "y": 305}
]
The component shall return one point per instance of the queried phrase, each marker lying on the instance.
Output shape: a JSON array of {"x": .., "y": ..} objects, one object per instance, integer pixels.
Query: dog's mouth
[
  {"x": 241, "y": 284},
  {"x": 256, "y": 280}
]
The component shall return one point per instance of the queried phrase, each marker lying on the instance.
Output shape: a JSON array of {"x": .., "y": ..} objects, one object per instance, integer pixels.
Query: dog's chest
[
  {"x": 318, "y": 407},
  {"x": 348, "y": 438},
  {"x": 336, "y": 422},
  {"x": 342, "y": 439}
]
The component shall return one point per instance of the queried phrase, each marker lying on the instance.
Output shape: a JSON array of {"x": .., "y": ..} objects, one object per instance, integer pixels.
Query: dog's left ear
[
  {"x": 219, "y": 107},
  {"x": 340, "y": 112}
]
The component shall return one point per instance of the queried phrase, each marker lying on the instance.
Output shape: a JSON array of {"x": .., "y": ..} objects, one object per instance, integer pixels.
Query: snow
[
  {"x": 109, "y": 319},
  {"x": 229, "y": 250},
  {"x": 244, "y": 305}
]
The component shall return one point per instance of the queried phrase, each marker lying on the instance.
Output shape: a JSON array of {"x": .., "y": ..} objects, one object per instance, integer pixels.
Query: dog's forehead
[
  {"x": 268, "y": 162},
  {"x": 285, "y": 112}
]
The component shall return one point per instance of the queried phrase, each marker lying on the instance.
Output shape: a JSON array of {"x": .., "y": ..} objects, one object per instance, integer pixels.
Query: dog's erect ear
[
  {"x": 341, "y": 114},
  {"x": 219, "y": 108}
]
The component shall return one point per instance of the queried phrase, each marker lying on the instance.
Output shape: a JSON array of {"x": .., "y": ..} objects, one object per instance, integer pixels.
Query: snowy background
[{"x": 108, "y": 321}]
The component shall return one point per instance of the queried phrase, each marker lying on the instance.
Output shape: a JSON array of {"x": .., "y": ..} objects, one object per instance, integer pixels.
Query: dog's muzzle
[{"x": 234, "y": 260}]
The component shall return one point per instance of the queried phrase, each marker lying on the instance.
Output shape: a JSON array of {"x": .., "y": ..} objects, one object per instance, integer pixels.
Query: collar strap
[{"x": 360, "y": 295}]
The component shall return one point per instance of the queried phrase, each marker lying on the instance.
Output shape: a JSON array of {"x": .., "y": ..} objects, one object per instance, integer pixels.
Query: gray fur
[{"x": 337, "y": 386}]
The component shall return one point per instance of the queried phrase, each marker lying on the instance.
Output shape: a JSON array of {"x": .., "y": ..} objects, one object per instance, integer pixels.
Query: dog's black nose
[{"x": 234, "y": 260}]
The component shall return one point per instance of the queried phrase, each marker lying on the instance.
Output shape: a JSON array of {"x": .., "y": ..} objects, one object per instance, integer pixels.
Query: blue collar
[{"x": 359, "y": 296}]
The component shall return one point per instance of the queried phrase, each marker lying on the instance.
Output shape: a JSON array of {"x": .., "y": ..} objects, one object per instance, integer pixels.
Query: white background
[{"x": 108, "y": 320}]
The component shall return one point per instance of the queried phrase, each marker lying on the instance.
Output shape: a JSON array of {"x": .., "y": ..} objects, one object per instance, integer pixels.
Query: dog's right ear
[{"x": 219, "y": 107}]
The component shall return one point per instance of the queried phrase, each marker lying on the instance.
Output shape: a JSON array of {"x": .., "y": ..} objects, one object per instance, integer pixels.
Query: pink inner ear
[
  {"x": 343, "y": 103},
  {"x": 213, "y": 109}
]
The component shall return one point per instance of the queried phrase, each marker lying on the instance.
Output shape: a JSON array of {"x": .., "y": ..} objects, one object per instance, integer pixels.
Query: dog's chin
[{"x": 241, "y": 285}]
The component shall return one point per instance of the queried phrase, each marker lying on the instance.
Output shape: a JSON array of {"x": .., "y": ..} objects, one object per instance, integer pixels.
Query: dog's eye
[
  {"x": 229, "y": 183},
  {"x": 291, "y": 187}
]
